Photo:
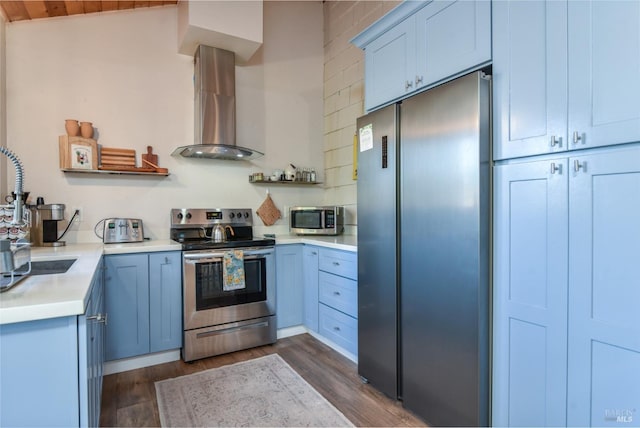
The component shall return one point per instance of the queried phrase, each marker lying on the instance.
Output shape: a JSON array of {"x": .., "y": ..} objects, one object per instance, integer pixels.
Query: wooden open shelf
[
  {"x": 114, "y": 172},
  {"x": 285, "y": 182}
]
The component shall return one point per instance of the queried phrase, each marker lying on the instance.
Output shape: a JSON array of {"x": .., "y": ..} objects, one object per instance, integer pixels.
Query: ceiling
[{"x": 35, "y": 9}]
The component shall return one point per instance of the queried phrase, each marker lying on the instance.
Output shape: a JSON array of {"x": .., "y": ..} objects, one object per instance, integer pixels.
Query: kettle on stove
[{"x": 219, "y": 234}]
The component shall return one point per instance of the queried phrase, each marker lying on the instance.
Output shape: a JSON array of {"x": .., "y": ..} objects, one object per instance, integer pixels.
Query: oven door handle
[{"x": 217, "y": 256}]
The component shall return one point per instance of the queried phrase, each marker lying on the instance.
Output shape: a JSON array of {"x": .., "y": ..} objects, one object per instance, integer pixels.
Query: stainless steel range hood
[{"x": 215, "y": 108}]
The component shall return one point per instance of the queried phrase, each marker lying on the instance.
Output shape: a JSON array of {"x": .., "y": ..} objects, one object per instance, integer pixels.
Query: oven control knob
[
  {"x": 246, "y": 215},
  {"x": 188, "y": 215},
  {"x": 179, "y": 216},
  {"x": 232, "y": 215},
  {"x": 239, "y": 214}
]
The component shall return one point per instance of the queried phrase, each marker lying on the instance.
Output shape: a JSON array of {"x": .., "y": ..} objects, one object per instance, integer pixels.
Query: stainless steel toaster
[{"x": 119, "y": 230}]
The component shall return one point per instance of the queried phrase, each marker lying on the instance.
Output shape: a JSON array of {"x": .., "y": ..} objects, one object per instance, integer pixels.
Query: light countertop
[
  {"x": 339, "y": 242},
  {"x": 59, "y": 295}
]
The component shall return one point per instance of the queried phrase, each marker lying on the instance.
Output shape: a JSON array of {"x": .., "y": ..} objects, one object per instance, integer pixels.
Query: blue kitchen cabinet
[
  {"x": 452, "y": 38},
  {"x": 338, "y": 298},
  {"x": 289, "y": 286},
  {"x": 165, "y": 301},
  {"x": 604, "y": 288},
  {"x": 604, "y": 64},
  {"x": 563, "y": 79},
  {"x": 144, "y": 299},
  {"x": 566, "y": 325},
  {"x": 419, "y": 44},
  {"x": 530, "y": 294},
  {"x": 310, "y": 273},
  {"x": 529, "y": 77},
  {"x": 51, "y": 373},
  {"x": 127, "y": 302},
  {"x": 390, "y": 65}
]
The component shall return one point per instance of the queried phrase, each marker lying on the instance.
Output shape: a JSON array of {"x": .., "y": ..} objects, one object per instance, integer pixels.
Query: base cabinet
[
  {"x": 51, "y": 370},
  {"x": 143, "y": 294},
  {"x": 289, "y": 288},
  {"x": 310, "y": 273},
  {"x": 566, "y": 324}
]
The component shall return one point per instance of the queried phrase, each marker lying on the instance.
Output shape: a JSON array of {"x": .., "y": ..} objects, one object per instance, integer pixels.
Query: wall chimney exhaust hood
[{"x": 215, "y": 108}]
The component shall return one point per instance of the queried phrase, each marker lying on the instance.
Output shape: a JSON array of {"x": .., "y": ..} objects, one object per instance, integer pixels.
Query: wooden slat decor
[{"x": 38, "y": 9}]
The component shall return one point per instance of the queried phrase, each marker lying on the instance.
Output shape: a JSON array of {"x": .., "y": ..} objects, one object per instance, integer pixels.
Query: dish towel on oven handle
[{"x": 233, "y": 270}]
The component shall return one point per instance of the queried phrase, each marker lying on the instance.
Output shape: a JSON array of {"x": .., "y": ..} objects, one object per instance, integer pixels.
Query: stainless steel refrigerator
[{"x": 424, "y": 251}]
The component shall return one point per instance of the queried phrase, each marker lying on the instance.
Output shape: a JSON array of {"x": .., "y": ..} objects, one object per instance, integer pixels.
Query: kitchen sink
[{"x": 47, "y": 267}]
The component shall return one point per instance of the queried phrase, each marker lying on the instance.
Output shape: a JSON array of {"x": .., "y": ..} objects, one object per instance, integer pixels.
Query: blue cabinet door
[
  {"x": 310, "y": 275},
  {"x": 604, "y": 289},
  {"x": 165, "y": 301},
  {"x": 530, "y": 294},
  {"x": 452, "y": 37},
  {"x": 91, "y": 353},
  {"x": 529, "y": 77},
  {"x": 289, "y": 288},
  {"x": 604, "y": 64},
  {"x": 127, "y": 300},
  {"x": 390, "y": 65}
]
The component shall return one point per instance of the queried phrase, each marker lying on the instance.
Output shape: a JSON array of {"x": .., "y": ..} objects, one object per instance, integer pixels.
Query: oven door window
[{"x": 209, "y": 291}]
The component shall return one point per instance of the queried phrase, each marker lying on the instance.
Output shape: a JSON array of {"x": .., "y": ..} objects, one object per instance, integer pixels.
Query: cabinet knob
[
  {"x": 556, "y": 168},
  {"x": 577, "y": 165},
  {"x": 408, "y": 84},
  {"x": 336, "y": 328},
  {"x": 336, "y": 264},
  {"x": 577, "y": 137},
  {"x": 336, "y": 293},
  {"x": 419, "y": 80},
  {"x": 555, "y": 141}
]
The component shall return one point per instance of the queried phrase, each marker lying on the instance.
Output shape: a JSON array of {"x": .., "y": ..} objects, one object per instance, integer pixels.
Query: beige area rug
[{"x": 261, "y": 392}]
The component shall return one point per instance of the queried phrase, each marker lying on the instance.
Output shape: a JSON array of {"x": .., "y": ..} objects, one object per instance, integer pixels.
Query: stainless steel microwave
[{"x": 316, "y": 220}]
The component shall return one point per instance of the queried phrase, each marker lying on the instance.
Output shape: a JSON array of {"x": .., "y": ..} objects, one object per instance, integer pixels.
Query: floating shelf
[
  {"x": 287, "y": 182},
  {"x": 112, "y": 172}
]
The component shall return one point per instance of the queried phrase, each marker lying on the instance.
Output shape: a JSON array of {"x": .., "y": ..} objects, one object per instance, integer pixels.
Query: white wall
[{"x": 121, "y": 71}]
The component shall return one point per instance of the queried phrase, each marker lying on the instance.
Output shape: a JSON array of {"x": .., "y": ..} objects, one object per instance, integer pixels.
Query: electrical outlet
[
  {"x": 285, "y": 214},
  {"x": 78, "y": 218}
]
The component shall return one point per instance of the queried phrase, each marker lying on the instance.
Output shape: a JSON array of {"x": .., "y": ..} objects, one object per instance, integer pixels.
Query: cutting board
[
  {"x": 150, "y": 157},
  {"x": 117, "y": 157}
]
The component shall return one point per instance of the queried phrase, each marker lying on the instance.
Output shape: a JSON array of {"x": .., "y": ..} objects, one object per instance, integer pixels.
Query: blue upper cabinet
[
  {"x": 604, "y": 72},
  {"x": 390, "y": 65},
  {"x": 529, "y": 77},
  {"x": 419, "y": 44},
  {"x": 453, "y": 37},
  {"x": 563, "y": 79}
]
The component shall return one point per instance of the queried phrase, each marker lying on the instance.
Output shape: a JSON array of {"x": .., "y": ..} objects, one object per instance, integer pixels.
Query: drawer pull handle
[
  {"x": 336, "y": 293},
  {"x": 556, "y": 168},
  {"x": 336, "y": 328},
  {"x": 98, "y": 318},
  {"x": 336, "y": 264}
]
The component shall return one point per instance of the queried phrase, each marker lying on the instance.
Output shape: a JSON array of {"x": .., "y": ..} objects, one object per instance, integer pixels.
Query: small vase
[
  {"x": 86, "y": 129},
  {"x": 72, "y": 127}
]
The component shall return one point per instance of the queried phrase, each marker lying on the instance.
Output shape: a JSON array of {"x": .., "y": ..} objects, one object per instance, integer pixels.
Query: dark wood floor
[{"x": 129, "y": 398}]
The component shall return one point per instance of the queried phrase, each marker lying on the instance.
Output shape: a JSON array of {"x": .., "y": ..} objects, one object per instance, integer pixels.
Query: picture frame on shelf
[{"x": 78, "y": 153}]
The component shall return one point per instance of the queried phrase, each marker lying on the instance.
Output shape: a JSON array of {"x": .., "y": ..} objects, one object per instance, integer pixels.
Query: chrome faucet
[{"x": 18, "y": 204}]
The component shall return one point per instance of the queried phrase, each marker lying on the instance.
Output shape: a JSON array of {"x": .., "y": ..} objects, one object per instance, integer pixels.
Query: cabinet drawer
[
  {"x": 339, "y": 328},
  {"x": 341, "y": 263},
  {"x": 339, "y": 293}
]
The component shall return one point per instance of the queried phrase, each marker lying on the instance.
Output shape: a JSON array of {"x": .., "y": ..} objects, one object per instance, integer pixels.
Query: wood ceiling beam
[
  {"x": 36, "y": 9},
  {"x": 15, "y": 10},
  {"x": 74, "y": 7}
]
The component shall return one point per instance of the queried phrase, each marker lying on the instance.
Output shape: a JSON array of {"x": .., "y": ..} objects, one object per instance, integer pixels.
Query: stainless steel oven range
[{"x": 219, "y": 317}]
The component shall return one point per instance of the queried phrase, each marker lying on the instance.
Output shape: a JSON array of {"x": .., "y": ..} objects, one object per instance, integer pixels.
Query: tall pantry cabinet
[{"x": 567, "y": 213}]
